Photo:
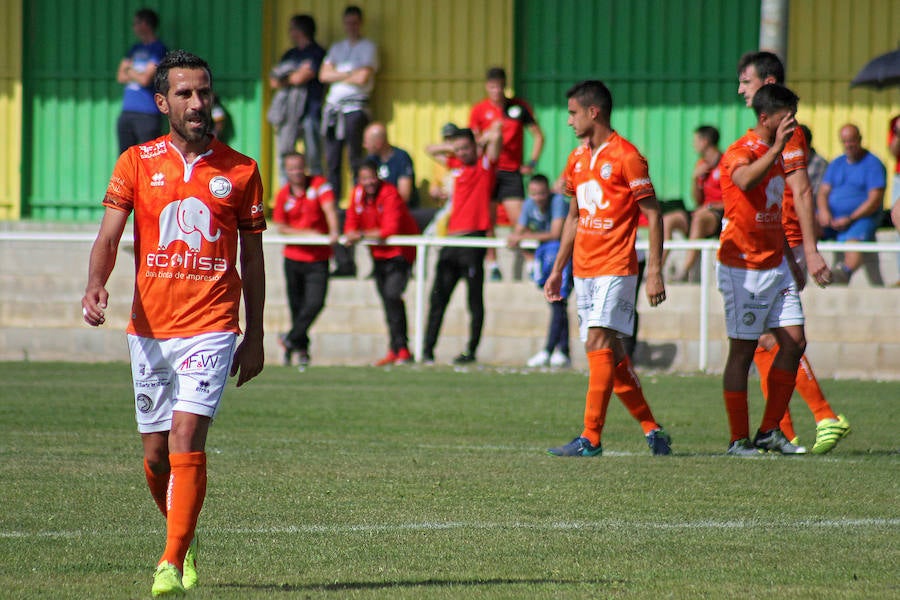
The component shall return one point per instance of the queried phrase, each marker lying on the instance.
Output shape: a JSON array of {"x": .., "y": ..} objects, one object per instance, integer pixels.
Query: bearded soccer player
[
  {"x": 610, "y": 181},
  {"x": 195, "y": 202},
  {"x": 756, "y": 69}
]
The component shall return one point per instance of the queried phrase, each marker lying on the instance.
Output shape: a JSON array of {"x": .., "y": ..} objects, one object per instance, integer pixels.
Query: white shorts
[
  {"x": 606, "y": 301},
  {"x": 758, "y": 300},
  {"x": 184, "y": 374}
]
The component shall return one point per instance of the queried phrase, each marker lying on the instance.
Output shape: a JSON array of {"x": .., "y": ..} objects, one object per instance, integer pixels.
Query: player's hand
[
  {"x": 784, "y": 132},
  {"x": 249, "y": 359},
  {"x": 552, "y": 287},
  {"x": 702, "y": 170},
  {"x": 840, "y": 223},
  {"x": 655, "y": 288},
  {"x": 93, "y": 305},
  {"x": 526, "y": 169},
  {"x": 818, "y": 269}
]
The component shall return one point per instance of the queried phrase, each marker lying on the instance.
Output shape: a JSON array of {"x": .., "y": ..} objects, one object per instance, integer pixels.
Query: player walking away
[
  {"x": 754, "y": 275},
  {"x": 195, "y": 202},
  {"x": 611, "y": 184},
  {"x": 756, "y": 69}
]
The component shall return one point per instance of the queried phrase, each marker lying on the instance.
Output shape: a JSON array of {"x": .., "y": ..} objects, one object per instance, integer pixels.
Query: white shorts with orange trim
[
  {"x": 758, "y": 300},
  {"x": 607, "y": 302},
  {"x": 183, "y": 374}
]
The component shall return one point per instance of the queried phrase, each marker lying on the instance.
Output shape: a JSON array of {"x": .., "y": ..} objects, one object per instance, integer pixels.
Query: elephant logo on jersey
[
  {"x": 590, "y": 197},
  {"x": 774, "y": 194},
  {"x": 188, "y": 220}
]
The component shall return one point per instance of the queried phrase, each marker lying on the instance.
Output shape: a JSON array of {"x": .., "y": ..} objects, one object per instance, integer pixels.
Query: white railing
[{"x": 707, "y": 250}]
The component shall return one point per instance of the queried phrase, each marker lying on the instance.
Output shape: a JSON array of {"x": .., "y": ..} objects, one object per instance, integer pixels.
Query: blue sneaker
[
  {"x": 578, "y": 447},
  {"x": 659, "y": 442}
]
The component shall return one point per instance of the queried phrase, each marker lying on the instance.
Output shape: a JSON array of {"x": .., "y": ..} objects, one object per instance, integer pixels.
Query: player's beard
[{"x": 189, "y": 134}]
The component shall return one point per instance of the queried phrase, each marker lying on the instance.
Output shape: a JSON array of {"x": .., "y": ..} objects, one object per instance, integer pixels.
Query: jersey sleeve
[
  {"x": 876, "y": 175},
  {"x": 527, "y": 114},
  {"x": 559, "y": 207},
  {"x": 324, "y": 193},
  {"x": 735, "y": 158},
  {"x": 252, "y": 217},
  {"x": 796, "y": 152},
  {"x": 121, "y": 188},
  {"x": 567, "y": 177},
  {"x": 637, "y": 175},
  {"x": 351, "y": 217},
  {"x": 391, "y": 217}
]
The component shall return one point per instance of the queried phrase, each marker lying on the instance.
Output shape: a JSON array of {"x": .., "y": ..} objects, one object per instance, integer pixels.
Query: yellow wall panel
[
  {"x": 829, "y": 42},
  {"x": 10, "y": 108},
  {"x": 433, "y": 57}
]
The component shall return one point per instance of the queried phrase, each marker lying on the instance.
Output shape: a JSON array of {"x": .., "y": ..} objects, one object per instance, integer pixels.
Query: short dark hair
[
  {"x": 353, "y": 10},
  {"x": 371, "y": 164},
  {"x": 593, "y": 92},
  {"x": 496, "y": 74},
  {"x": 539, "y": 178},
  {"x": 304, "y": 23},
  {"x": 708, "y": 133},
  {"x": 773, "y": 97},
  {"x": 293, "y": 154},
  {"x": 177, "y": 59},
  {"x": 148, "y": 16},
  {"x": 463, "y": 132},
  {"x": 807, "y": 133},
  {"x": 766, "y": 64}
]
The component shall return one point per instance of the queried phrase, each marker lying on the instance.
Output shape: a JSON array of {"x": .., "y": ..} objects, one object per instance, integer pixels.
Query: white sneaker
[
  {"x": 541, "y": 359},
  {"x": 558, "y": 359}
]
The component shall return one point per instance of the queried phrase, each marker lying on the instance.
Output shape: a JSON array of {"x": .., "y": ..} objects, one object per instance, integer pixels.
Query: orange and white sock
[
  {"x": 187, "y": 490},
  {"x": 627, "y": 387},
  {"x": 158, "y": 484},
  {"x": 600, "y": 386}
]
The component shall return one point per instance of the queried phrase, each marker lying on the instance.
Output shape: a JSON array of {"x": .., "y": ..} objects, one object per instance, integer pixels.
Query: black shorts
[{"x": 509, "y": 185}]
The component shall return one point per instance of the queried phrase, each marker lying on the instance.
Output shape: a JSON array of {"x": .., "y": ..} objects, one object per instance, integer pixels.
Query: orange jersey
[
  {"x": 187, "y": 218},
  {"x": 795, "y": 156},
  {"x": 607, "y": 184},
  {"x": 752, "y": 237}
]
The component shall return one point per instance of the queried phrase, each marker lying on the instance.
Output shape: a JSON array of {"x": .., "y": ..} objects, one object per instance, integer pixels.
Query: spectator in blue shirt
[
  {"x": 140, "y": 120},
  {"x": 850, "y": 201},
  {"x": 541, "y": 220}
]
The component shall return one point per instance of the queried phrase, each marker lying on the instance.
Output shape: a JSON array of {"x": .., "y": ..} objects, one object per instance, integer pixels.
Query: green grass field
[{"x": 416, "y": 482}]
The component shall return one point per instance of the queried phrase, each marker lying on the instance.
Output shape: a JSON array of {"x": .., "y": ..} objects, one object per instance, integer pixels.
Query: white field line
[{"x": 478, "y": 525}]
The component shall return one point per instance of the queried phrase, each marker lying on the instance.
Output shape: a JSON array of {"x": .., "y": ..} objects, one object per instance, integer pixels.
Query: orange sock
[
  {"x": 809, "y": 390},
  {"x": 781, "y": 387},
  {"x": 600, "y": 384},
  {"x": 187, "y": 490},
  {"x": 763, "y": 360},
  {"x": 627, "y": 387},
  {"x": 158, "y": 484},
  {"x": 787, "y": 425},
  {"x": 738, "y": 414}
]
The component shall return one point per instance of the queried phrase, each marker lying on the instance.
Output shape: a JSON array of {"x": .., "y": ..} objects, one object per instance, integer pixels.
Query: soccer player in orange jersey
[
  {"x": 756, "y": 69},
  {"x": 196, "y": 202},
  {"x": 611, "y": 184},
  {"x": 753, "y": 273}
]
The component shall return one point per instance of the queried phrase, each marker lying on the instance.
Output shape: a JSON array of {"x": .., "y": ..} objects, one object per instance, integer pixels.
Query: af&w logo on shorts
[{"x": 143, "y": 403}]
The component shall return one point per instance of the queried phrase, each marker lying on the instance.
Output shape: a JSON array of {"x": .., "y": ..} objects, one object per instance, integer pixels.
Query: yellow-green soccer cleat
[
  {"x": 167, "y": 581},
  {"x": 829, "y": 432},
  {"x": 190, "y": 579}
]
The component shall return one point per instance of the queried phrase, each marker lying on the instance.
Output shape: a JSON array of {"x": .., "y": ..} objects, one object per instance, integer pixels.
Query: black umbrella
[{"x": 882, "y": 71}]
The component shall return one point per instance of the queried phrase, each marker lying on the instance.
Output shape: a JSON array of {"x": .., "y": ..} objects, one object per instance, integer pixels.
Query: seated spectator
[
  {"x": 706, "y": 219},
  {"x": 894, "y": 149},
  {"x": 850, "y": 202},
  {"x": 541, "y": 219},
  {"x": 376, "y": 212}
]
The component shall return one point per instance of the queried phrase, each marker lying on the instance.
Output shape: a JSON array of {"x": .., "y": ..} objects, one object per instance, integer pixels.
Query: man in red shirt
[
  {"x": 196, "y": 202},
  {"x": 304, "y": 206},
  {"x": 611, "y": 185},
  {"x": 473, "y": 181},
  {"x": 516, "y": 116},
  {"x": 377, "y": 211}
]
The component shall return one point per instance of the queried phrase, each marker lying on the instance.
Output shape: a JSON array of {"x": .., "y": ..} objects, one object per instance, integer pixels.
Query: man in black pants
[{"x": 470, "y": 217}]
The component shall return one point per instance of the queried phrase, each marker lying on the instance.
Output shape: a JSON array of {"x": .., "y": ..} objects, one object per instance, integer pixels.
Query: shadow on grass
[{"x": 425, "y": 583}]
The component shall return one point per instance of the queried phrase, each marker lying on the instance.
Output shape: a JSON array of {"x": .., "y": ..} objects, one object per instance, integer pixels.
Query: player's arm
[
  {"x": 405, "y": 187},
  {"x": 492, "y": 140},
  {"x": 823, "y": 213},
  {"x": 872, "y": 204},
  {"x": 563, "y": 255},
  {"x": 360, "y": 76},
  {"x": 122, "y": 75},
  {"x": 654, "y": 285},
  {"x": 329, "y": 74},
  {"x": 331, "y": 217},
  {"x": 102, "y": 261},
  {"x": 439, "y": 152},
  {"x": 145, "y": 78},
  {"x": 747, "y": 177},
  {"x": 798, "y": 180},
  {"x": 536, "y": 147},
  {"x": 302, "y": 74},
  {"x": 249, "y": 357}
]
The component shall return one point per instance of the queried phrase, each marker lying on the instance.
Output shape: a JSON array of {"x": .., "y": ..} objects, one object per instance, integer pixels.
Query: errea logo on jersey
[{"x": 157, "y": 180}]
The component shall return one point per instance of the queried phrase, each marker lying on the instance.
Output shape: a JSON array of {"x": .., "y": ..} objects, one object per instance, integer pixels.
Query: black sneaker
[
  {"x": 304, "y": 359},
  {"x": 464, "y": 359},
  {"x": 287, "y": 348}
]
